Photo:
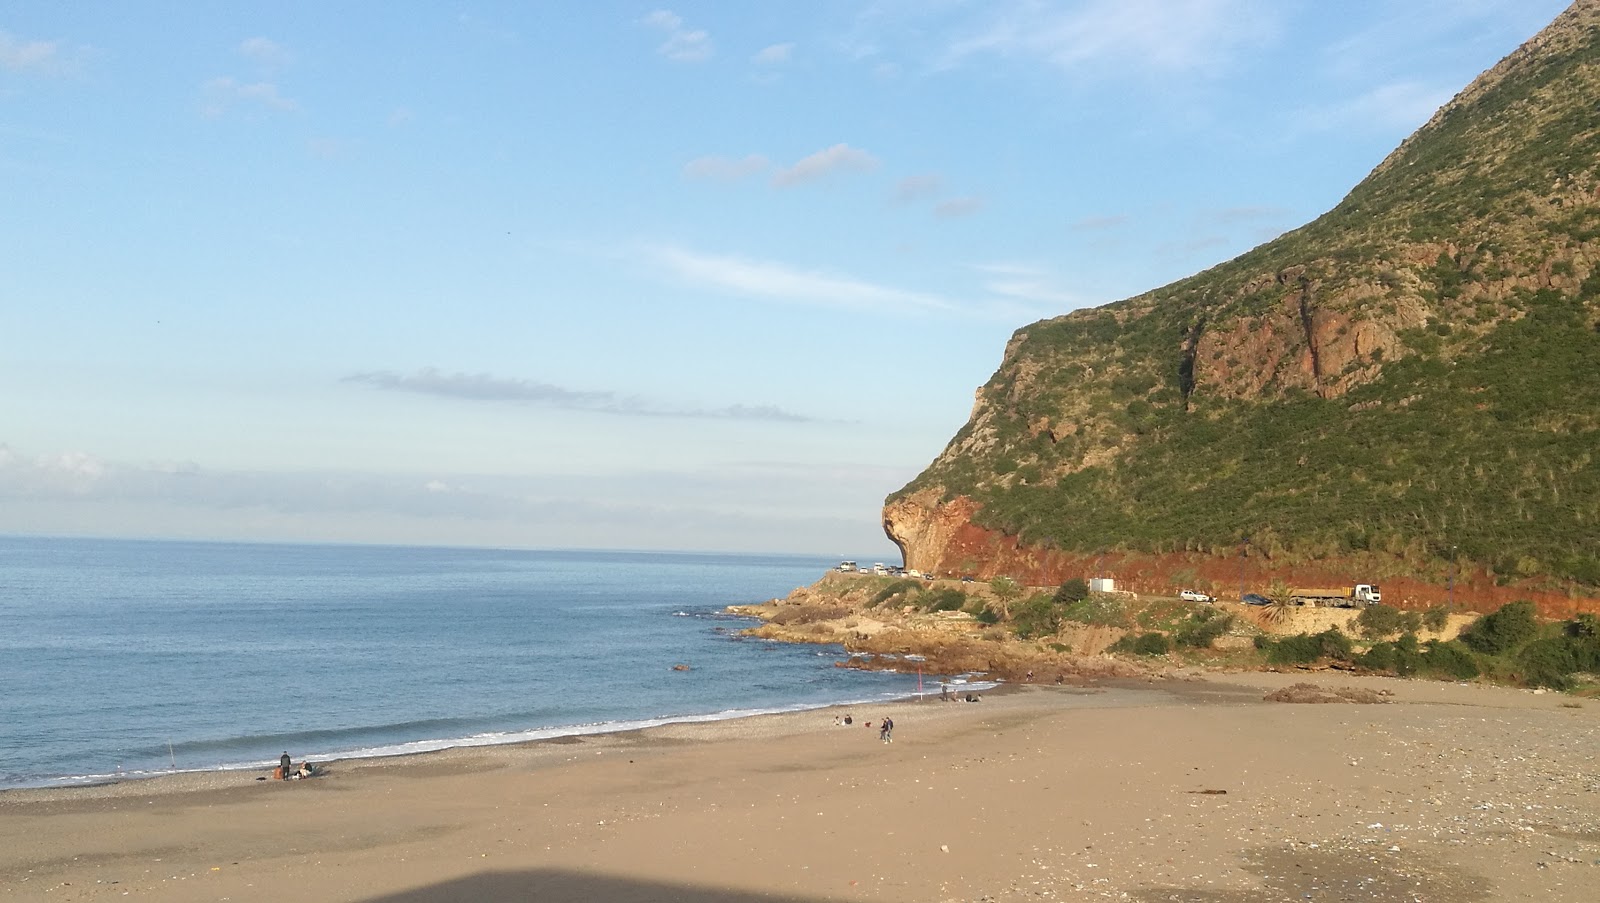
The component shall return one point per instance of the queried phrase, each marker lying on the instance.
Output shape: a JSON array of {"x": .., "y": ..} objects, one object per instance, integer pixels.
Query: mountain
[{"x": 1407, "y": 387}]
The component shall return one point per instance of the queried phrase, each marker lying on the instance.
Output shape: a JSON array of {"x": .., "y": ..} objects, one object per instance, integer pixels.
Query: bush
[
  {"x": 1143, "y": 644},
  {"x": 1547, "y": 663},
  {"x": 987, "y": 615},
  {"x": 1074, "y": 590},
  {"x": 897, "y": 588},
  {"x": 1378, "y": 621},
  {"x": 1202, "y": 628},
  {"x": 1436, "y": 618},
  {"x": 945, "y": 598},
  {"x": 1036, "y": 617},
  {"x": 1502, "y": 631},
  {"x": 1381, "y": 657},
  {"x": 1450, "y": 660},
  {"x": 1305, "y": 648},
  {"x": 1098, "y": 610}
]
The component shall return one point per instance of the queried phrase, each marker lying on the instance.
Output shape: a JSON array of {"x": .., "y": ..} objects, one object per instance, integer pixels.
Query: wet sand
[{"x": 1188, "y": 790}]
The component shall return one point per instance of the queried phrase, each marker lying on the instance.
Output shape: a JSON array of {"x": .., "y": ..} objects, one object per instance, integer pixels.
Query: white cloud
[
  {"x": 1098, "y": 36},
  {"x": 753, "y": 506},
  {"x": 839, "y": 158},
  {"x": 725, "y": 169},
  {"x": 219, "y": 95},
  {"x": 1402, "y": 106},
  {"x": 684, "y": 45},
  {"x": 774, "y": 54},
  {"x": 766, "y": 279},
  {"x": 490, "y": 388},
  {"x": 1030, "y": 284},
  {"x": 34, "y": 57},
  {"x": 266, "y": 52},
  {"x": 917, "y": 188},
  {"x": 956, "y": 207},
  {"x": 19, "y": 55},
  {"x": 1100, "y": 223}
]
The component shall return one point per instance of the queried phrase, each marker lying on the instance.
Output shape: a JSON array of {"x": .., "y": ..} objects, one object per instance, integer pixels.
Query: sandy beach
[{"x": 1193, "y": 789}]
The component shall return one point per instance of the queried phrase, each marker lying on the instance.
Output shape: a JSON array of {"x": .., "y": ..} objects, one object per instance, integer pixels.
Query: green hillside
[{"x": 1414, "y": 372}]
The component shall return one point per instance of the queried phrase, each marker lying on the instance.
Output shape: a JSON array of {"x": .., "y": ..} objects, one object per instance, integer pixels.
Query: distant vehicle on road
[
  {"x": 1255, "y": 599},
  {"x": 1191, "y": 595},
  {"x": 848, "y": 567}
]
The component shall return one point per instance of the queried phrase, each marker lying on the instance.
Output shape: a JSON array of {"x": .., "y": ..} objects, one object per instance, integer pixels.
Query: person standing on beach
[
  {"x": 886, "y": 730},
  {"x": 286, "y": 765}
]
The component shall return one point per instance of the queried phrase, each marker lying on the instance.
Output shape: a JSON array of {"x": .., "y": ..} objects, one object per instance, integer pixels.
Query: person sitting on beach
[{"x": 849, "y": 720}]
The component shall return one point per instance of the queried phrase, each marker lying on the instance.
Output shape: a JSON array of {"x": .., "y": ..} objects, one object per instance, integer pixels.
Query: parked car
[
  {"x": 1256, "y": 599},
  {"x": 1192, "y": 595}
]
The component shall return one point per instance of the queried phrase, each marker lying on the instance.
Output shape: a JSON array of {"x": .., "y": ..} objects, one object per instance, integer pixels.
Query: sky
[{"x": 703, "y": 276}]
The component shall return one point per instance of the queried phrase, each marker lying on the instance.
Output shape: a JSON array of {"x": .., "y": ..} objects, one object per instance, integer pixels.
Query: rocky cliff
[{"x": 1407, "y": 387}]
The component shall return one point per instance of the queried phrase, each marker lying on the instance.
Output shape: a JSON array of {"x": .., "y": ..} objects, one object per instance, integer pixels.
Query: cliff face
[{"x": 1410, "y": 380}]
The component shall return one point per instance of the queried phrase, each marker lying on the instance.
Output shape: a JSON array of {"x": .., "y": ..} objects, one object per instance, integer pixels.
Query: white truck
[{"x": 1358, "y": 596}]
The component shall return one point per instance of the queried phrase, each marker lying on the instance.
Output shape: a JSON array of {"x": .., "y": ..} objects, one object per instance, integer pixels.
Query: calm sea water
[{"x": 137, "y": 658}]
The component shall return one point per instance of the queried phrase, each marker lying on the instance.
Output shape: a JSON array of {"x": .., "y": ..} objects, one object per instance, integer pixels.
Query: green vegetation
[
  {"x": 1407, "y": 658},
  {"x": 1378, "y": 621},
  {"x": 1074, "y": 590},
  {"x": 1502, "y": 631},
  {"x": 1202, "y": 628},
  {"x": 945, "y": 599},
  {"x": 1097, "y": 610},
  {"x": 1305, "y": 648},
  {"x": 895, "y": 592}
]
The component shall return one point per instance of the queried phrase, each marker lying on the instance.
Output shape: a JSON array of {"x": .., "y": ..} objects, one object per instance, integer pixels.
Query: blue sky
[{"x": 612, "y": 275}]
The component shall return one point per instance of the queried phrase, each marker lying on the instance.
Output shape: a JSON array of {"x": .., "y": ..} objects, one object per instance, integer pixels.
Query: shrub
[
  {"x": 1548, "y": 663},
  {"x": 897, "y": 588},
  {"x": 1449, "y": 660},
  {"x": 987, "y": 615},
  {"x": 1143, "y": 644},
  {"x": 945, "y": 598},
  {"x": 1202, "y": 628},
  {"x": 1502, "y": 631},
  {"x": 1074, "y": 590},
  {"x": 1381, "y": 657},
  {"x": 1378, "y": 621},
  {"x": 1098, "y": 610},
  {"x": 1436, "y": 618},
  {"x": 1037, "y": 617},
  {"x": 1305, "y": 648}
]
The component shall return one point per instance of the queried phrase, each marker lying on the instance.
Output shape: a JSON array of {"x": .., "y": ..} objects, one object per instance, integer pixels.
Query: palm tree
[{"x": 1283, "y": 602}]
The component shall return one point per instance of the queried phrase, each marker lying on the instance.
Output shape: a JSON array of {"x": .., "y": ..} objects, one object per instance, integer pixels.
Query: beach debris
[
  {"x": 1208, "y": 792},
  {"x": 1311, "y": 693}
]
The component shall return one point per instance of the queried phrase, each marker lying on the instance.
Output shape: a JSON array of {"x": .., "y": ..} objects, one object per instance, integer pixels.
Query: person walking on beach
[{"x": 886, "y": 730}]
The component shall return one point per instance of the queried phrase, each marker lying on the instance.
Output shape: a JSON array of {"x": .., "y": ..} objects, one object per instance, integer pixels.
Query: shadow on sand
[{"x": 558, "y": 886}]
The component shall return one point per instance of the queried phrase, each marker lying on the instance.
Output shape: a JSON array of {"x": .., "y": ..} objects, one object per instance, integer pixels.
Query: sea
[{"x": 126, "y": 659}]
